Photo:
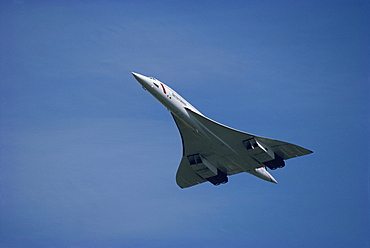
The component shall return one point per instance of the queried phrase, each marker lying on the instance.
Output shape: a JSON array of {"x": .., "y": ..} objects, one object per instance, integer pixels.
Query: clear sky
[{"x": 88, "y": 158}]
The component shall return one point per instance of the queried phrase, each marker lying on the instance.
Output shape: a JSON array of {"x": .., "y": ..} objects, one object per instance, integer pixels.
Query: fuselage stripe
[{"x": 164, "y": 90}]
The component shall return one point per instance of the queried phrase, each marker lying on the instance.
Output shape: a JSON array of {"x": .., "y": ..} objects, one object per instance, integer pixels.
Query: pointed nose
[
  {"x": 138, "y": 77},
  {"x": 143, "y": 80}
]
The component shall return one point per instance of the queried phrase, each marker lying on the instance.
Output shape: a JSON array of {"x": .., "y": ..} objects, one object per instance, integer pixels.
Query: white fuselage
[{"x": 169, "y": 98}]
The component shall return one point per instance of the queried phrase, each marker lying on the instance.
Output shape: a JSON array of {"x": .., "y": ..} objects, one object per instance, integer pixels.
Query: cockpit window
[{"x": 156, "y": 85}]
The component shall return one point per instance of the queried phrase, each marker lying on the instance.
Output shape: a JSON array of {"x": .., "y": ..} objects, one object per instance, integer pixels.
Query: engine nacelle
[
  {"x": 278, "y": 162},
  {"x": 206, "y": 170},
  {"x": 263, "y": 154}
]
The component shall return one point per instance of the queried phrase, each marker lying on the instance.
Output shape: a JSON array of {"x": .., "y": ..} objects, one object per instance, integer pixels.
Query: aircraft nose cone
[
  {"x": 140, "y": 78},
  {"x": 137, "y": 76}
]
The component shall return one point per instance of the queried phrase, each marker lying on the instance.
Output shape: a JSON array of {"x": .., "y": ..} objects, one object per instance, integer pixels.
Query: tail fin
[{"x": 263, "y": 174}]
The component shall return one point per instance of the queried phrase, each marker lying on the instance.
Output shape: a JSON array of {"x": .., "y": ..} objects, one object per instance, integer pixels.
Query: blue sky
[{"x": 88, "y": 159}]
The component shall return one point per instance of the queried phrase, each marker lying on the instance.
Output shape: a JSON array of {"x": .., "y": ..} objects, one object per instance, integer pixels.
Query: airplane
[{"x": 213, "y": 151}]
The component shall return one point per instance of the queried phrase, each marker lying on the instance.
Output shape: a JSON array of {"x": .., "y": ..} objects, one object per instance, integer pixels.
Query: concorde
[{"x": 212, "y": 151}]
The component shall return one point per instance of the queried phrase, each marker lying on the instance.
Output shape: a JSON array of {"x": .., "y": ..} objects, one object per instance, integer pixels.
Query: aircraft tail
[{"x": 263, "y": 174}]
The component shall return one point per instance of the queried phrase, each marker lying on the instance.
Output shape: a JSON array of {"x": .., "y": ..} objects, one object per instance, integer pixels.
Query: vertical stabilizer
[{"x": 263, "y": 174}]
